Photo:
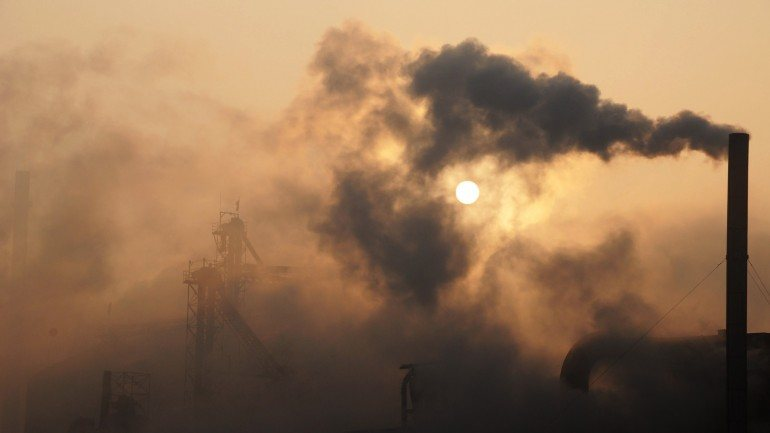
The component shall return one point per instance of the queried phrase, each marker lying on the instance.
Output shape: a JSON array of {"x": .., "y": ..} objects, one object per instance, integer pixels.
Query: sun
[{"x": 467, "y": 192}]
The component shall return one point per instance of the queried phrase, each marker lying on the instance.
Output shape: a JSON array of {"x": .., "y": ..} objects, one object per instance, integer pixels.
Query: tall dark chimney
[
  {"x": 13, "y": 401},
  {"x": 20, "y": 216},
  {"x": 737, "y": 256}
]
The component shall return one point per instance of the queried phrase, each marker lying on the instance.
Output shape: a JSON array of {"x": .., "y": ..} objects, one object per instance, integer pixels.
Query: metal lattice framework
[
  {"x": 135, "y": 385},
  {"x": 203, "y": 325},
  {"x": 215, "y": 289},
  {"x": 125, "y": 398}
]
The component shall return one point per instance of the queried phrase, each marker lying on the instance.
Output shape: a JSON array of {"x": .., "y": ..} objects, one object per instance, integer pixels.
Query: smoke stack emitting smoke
[
  {"x": 479, "y": 104},
  {"x": 486, "y": 104},
  {"x": 385, "y": 221}
]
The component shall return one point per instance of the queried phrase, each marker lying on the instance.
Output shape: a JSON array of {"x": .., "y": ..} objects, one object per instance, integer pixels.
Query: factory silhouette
[
  {"x": 225, "y": 366},
  {"x": 225, "y": 359}
]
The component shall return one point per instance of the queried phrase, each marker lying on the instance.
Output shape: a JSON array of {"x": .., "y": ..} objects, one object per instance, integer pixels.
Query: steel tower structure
[{"x": 215, "y": 290}]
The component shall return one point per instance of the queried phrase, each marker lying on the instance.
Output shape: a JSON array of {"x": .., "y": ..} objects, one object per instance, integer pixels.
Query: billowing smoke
[
  {"x": 594, "y": 289},
  {"x": 392, "y": 235},
  {"x": 349, "y": 186},
  {"x": 408, "y": 240},
  {"x": 485, "y": 104},
  {"x": 479, "y": 105}
]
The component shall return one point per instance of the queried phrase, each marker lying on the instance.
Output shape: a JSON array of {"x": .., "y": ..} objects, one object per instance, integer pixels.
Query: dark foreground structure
[
  {"x": 687, "y": 373},
  {"x": 739, "y": 362},
  {"x": 737, "y": 258},
  {"x": 223, "y": 355}
]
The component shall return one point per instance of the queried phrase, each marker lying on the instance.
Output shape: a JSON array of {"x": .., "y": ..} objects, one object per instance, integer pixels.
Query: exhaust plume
[
  {"x": 408, "y": 240},
  {"x": 487, "y": 104}
]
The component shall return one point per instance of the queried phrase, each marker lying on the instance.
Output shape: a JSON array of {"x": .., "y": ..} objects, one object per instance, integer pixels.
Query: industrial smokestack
[
  {"x": 13, "y": 408},
  {"x": 737, "y": 256},
  {"x": 20, "y": 217}
]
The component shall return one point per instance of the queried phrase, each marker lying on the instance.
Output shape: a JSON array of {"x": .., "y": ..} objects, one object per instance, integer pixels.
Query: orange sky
[
  {"x": 660, "y": 57},
  {"x": 220, "y": 104},
  {"x": 657, "y": 56}
]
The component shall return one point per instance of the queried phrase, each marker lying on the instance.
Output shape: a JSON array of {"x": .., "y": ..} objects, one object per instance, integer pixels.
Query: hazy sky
[
  {"x": 244, "y": 117},
  {"x": 658, "y": 56}
]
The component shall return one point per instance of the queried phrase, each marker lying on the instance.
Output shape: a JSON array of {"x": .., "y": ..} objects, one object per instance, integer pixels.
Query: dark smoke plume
[
  {"x": 488, "y": 104},
  {"x": 386, "y": 229},
  {"x": 479, "y": 104},
  {"x": 408, "y": 240}
]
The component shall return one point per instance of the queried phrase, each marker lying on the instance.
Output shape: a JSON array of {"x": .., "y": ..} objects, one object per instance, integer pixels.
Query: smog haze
[{"x": 310, "y": 153}]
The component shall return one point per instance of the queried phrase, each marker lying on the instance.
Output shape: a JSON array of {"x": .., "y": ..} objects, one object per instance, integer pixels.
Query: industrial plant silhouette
[
  {"x": 226, "y": 360},
  {"x": 403, "y": 310}
]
